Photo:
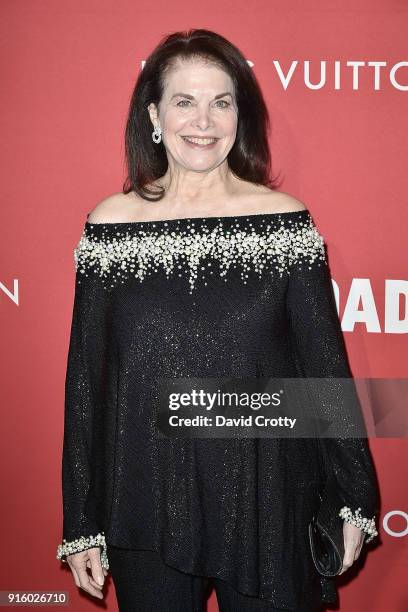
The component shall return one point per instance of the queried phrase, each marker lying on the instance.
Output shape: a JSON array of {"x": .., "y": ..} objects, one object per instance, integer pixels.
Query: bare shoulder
[
  {"x": 112, "y": 209},
  {"x": 266, "y": 200},
  {"x": 279, "y": 201}
]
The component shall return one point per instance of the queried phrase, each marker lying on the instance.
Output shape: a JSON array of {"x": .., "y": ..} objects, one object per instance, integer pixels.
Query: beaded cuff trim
[
  {"x": 365, "y": 524},
  {"x": 83, "y": 543}
]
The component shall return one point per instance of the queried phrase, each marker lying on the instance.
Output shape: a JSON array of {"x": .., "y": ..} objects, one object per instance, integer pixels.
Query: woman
[{"x": 195, "y": 270}]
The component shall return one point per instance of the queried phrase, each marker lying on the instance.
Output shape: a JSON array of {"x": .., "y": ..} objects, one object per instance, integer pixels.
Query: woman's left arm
[{"x": 318, "y": 345}]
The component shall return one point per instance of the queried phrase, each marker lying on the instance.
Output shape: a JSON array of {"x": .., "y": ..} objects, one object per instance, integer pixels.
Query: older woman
[{"x": 200, "y": 268}]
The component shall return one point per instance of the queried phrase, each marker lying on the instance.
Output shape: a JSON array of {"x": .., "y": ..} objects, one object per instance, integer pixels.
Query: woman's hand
[
  {"x": 353, "y": 542},
  {"x": 79, "y": 562}
]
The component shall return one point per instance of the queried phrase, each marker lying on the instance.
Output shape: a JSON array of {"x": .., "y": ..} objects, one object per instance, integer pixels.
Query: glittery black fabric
[{"x": 203, "y": 297}]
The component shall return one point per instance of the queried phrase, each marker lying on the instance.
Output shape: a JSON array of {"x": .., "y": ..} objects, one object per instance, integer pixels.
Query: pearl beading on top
[
  {"x": 123, "y": 250},
  {"x": 365, "y": 524}
]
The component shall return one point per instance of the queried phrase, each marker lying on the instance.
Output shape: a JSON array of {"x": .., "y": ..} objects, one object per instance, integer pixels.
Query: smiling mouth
[{"x": 200, "y": 141}]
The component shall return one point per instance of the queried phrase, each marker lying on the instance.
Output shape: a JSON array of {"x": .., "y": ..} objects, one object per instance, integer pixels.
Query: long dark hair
[{"x": 146, "y": 161}]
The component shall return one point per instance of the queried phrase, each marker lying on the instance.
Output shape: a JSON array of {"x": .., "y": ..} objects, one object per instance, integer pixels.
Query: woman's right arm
[{"x": 81, "y": 533}]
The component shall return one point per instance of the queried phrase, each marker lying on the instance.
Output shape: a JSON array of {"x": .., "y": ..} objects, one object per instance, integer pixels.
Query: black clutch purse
[
  {"x": 326, "y": 527},
  {"x": 326, "y": 535}
]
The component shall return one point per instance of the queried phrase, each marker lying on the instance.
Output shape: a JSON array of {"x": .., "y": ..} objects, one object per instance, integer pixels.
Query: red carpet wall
[{"x": 335, "y": 78}]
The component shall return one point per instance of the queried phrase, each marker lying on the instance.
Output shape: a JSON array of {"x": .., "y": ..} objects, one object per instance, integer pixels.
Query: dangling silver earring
[{"x": 156, "y": 134}]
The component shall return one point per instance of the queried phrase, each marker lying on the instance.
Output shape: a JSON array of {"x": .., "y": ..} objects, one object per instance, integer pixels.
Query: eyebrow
[{"x": 184, "y": 95}]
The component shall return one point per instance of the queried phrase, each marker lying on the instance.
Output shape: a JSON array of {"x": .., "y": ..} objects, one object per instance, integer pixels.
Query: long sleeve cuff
[
  {"x": 83, "y": 543},
  {"x": 365, "y": 524}
]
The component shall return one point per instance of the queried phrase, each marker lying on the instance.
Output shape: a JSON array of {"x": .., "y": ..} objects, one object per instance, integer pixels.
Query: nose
[{"x": 202, "y": 118}]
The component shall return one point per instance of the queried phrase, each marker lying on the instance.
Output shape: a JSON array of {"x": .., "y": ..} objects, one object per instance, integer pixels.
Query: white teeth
[{"x": 201, "y": 141}]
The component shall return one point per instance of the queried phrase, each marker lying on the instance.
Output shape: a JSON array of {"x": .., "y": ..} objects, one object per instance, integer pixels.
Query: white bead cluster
[
  {"x": 118, "y": 252},
  {"x": 83, "y": 543},
  {"x": 365, "y": 524}
]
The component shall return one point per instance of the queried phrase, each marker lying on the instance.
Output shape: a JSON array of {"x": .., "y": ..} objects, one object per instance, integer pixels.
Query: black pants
[{"x": 144, "y": 583}]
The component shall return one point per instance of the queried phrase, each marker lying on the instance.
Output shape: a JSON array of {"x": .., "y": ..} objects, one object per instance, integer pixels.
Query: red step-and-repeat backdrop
[{"x": 335, "y": 78}]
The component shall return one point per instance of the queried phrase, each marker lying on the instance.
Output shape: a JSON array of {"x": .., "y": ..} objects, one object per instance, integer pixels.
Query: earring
[{"x": 156, "y": 134}]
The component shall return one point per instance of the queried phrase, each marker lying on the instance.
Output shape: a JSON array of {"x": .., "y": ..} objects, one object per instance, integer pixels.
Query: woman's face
[{"x": 198, "y": 102}]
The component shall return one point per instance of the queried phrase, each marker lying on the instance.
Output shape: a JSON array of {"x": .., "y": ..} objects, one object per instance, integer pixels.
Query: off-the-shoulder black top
[{"x": 203, "y": 297}]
